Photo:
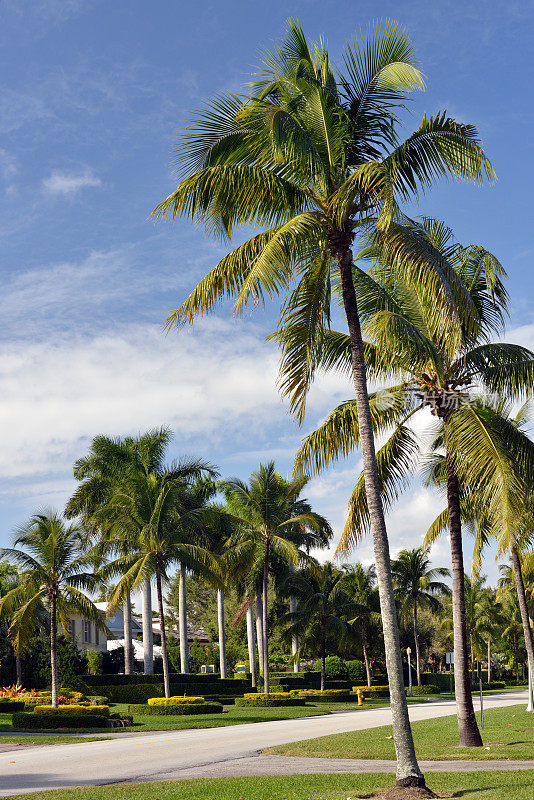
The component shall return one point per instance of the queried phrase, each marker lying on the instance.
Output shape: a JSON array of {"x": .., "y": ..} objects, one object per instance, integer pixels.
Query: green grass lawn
[
  {"x": 508, "y": 734},
  {"x": 468, "y": 786}
]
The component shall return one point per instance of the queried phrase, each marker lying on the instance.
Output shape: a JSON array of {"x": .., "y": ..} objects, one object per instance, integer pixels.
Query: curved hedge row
[
  {"x": 72, "y": 710},
  {"x": 174, "y": 701},
  {"x": 184, "y": 708},
  {"x": 270, "y": 702},
  {"x": 29, "y": 721},
  {"x": 328, "y": 696}
]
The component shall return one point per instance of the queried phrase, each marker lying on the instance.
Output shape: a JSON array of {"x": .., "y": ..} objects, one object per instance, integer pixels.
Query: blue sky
[{"x": 92, "y": 96}]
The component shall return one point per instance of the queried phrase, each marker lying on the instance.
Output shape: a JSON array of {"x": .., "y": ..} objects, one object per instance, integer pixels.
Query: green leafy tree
[
  {"x": 311, "y": 157},
  {"x": 269, "y": 519},
  {"x": 416, "y": 587},
  {"x": 156, "y": 518},
  {"x": 324, "y": 609},
  {"x": 433, "y": 371},
  {"x": 50, "y": 553}
]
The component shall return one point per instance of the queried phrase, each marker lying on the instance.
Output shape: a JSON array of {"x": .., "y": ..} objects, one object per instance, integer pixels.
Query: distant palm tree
[
  {"x": 323, "y": 610},
  {"x": 416, "y": 587},
  {"x": 101, "y": 473},
  {"x": 155, "y": 517},
  {"x": 269, "y": 518},
  {"x": 54, "y": 571},
  {"x": 360, "y": 585}
]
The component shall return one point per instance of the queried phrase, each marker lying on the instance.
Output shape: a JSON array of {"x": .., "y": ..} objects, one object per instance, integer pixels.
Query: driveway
[{"x": 169, "y": 755}]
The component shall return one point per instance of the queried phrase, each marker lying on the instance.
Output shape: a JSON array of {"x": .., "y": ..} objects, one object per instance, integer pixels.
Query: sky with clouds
[{"x": 92, "y": 95}]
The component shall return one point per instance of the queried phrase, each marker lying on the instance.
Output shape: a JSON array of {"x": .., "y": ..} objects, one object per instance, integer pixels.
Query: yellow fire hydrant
[{"x": 360, "y": 697}]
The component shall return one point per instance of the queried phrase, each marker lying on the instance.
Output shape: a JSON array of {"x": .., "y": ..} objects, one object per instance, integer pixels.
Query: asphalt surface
[{"x": 211, "y": 752}]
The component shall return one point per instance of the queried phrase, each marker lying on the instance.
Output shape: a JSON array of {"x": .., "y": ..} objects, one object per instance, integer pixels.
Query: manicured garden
[
  {"x": 468, "y": 786},
  {"x": 508, "y": 734}
]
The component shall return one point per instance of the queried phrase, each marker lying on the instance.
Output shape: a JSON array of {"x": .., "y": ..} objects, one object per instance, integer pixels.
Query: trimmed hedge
[
  {"x": 174, "y": 701},
  {"x": 328, "y": 696},
  {"x": 269, "y": 702},
  {"x": 29, "y": 721},
  {"x": 373, "y": 691},
  {"x": 164, "y": 711},
  {"x": 174, "y": 677},
  {"x": 136, "y": 693},
  {"x": 421, "y": 691},
  {"x": 9, "y": 706},
  {"x": 74, "y": 710}
]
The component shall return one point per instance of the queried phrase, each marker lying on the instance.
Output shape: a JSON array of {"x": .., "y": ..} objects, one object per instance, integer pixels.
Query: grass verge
[
  {"x": 468, "y": 786},
  {"x": 508, "y": 734}
]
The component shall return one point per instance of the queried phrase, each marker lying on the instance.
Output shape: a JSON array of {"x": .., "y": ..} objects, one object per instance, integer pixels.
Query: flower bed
[
  {"x": 176, "y": 709},
  {"x": 30, "y": 721},
  {"x": 174, "y": 701}
]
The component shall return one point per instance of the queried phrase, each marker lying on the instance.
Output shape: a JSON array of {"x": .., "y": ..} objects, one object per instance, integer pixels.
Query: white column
[
  {"x": 259, "y": 628},
  {"x": 148, "y": 633},
  {"x": 294, "y": 637},
  {"x": 182, "y": 622},
  {"x": 251, "y": 641},
  {"x": 127, "y": 627},
  {"x": 222, "y": 635}
]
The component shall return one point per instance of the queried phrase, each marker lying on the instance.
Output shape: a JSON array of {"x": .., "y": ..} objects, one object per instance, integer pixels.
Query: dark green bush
[
  {"x": 421, "y": 691},
  {"x": 264, "y": 702},
  {"x": 356, "y": 671},
  {"x": 136, "y": 693},
  {"x": 334, "y": 666},
  {"x": 26, "y": 722},
  {"x": 494, "y": 685},
  {"x": 182, "y": 710},
  {"x": 9, "y": 706},
  {"x": 439, "y": 679}
]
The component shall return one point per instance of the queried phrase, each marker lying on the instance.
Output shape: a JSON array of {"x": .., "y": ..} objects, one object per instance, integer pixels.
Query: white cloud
[{"x": 68, "y": 183}]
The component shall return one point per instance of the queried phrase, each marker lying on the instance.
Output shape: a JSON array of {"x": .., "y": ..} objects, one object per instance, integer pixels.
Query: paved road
[{"x": 192, "y": 753}]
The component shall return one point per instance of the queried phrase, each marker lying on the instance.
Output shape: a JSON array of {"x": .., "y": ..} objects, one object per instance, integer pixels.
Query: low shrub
[
  {"x": 9, "y": 706},
  {"x": 373, "y": 692},
  {"x": 494, "y": 685},
  {"x": 421, "y": 691},
  {"x": 271, "y": 700},
  {"x": 26, "y": 722},
  {"x": 334, "y": 667},
  {"x": 328, "y": 696},
  {"x": 73, "y": 710},
  {"x": 355, "y": 670},
  {"x": 172, "y": 710},
  {"x": 173, "y": 701}
]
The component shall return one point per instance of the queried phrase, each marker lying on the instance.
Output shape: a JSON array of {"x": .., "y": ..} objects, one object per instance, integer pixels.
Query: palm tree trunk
[
  {"x": 259, "y": 629},
  {"x": 489, "y": 659},
  {"x": 266, "y": 620},
  {"x": 148, "y": 633},
  {"x": 127, "y": 624},
  {"x": 521, "y": 596},
  {"x": 294, "y": 637},
  {"x": 365, "y": 653},
  {"x": 182, "y": 621},
  {"x": 408, "y": 772},
  {"x": 469, "y": 733},
  {"x": 18, "y": 668},
  {"x": 164, "y": 655},
  {"x": 251, "y": 642},
  {"x": 53, "y": 649},
  {"x": 222, "y": 633},
  {"x": 323, "y": 656},
  {"x": 516, "y": 658},
  {"x": 416, "y": 639}
]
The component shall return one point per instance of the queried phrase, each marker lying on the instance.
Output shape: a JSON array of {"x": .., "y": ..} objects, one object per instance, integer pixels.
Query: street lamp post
[{"x": 408, "y": 653}]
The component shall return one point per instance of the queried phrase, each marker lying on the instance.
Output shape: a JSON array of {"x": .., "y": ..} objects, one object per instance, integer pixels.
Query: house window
[
  {"x": 72, "y": 629},
  {"x": 86, "y": 632}
]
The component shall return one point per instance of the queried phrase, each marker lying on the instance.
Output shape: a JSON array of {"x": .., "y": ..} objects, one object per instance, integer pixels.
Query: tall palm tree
[
  {"x": 312, "y": 157},
  {"x": 431, "y": 370},
  {"x": 55, "y": 569},
  {"x": 360, "y": 585},
  {"x": 269, "y": 516},
  {"x": 156, "y": 516},
  {"x": 323, "y": 610},
  {"x": 101, "y": 473},
  {"x": 416, "y": 587}
]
